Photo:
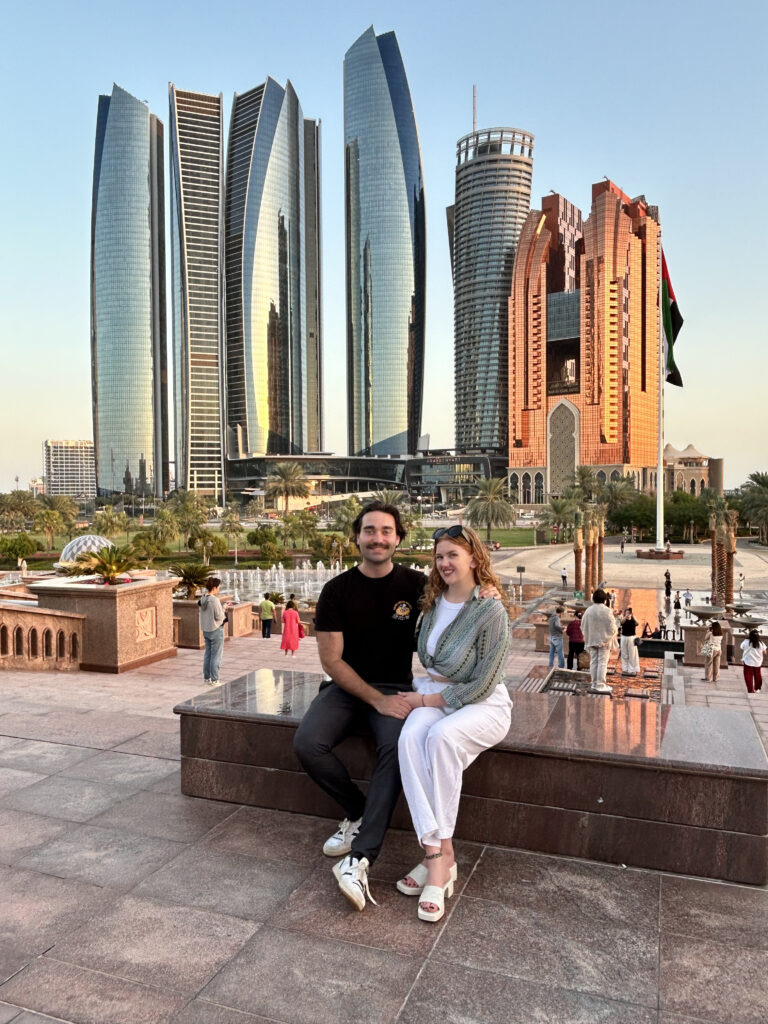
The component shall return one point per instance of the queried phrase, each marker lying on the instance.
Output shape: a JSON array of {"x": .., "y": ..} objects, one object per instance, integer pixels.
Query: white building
[{"x": 69, "y": 468}]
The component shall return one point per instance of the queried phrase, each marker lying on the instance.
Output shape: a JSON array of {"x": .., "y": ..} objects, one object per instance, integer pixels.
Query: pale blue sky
[{"x": 667, "y": 99}]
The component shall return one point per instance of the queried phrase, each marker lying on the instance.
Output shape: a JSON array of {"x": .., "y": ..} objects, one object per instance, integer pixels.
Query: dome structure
[{"x": 80, "y": 545}]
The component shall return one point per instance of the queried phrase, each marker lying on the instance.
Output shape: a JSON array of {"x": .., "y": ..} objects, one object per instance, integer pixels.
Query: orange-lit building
[{"x": 584, "y": 344}]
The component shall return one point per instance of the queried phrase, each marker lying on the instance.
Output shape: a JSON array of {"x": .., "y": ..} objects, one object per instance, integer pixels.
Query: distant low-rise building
[
  {"x": 69, "y": 468},
  {"x": 689, "y": 470}
]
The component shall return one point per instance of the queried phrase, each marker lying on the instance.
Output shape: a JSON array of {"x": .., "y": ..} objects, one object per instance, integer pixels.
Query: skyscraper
[
  {"x": 584, "y": 344},
  {"x": 69, "y": 468},
  {"x": 272, "y": 246},
  {"x": 385, "y": 250},
  {"x": 197, "y": 209},
  {"x": 493, "y": 196},
  {"x": 128, "y": 334}
]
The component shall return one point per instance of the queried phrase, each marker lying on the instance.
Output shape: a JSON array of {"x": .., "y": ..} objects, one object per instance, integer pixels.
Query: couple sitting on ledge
[{"x": 427, "y": 730}]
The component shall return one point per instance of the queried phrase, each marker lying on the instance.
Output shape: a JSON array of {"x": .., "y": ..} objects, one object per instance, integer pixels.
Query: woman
[
  {"x": 712, "y": 648},
  {"x": 461, "y": 706},
  {"x": 752, "y": 651},
  {"x": 599, "y": 628},
  {"x": 575, "y": 639},
  {"x": 630, "y": 663},
  {"x": 290, "y": 640},
  {"x": 212, "y": 618}
]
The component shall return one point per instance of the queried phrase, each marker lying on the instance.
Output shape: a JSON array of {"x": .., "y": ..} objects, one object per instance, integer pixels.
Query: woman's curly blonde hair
[{"x": 484, "y": 574}]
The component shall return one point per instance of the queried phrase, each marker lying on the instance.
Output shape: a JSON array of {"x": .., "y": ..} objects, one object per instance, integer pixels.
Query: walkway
[{"x": 124, "y": 902}]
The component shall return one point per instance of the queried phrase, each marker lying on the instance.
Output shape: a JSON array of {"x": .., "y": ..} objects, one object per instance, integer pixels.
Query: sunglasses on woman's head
[{"x": 449, "y": 531}]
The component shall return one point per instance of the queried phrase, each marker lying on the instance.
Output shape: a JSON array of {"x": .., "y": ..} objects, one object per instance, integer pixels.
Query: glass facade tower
[
  {"x": 272, "y": 276},
  {"x": 197, "y": 209},
  {"x": 128, "y": 334},
  {"x": 494, "y": 168},
  {"x": 385, "y": 251}
]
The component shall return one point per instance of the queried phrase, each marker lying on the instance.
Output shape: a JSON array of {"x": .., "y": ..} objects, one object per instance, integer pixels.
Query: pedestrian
[
  {"x": 668, "y": 584},
  {"x": 599, "y": 628},
  {"x": 667, "y": 546},
  {"x": 291, "y": 624},
  {"x": 267, "y": 613},
  {"x": 712, "y": 649},
  {"x": 630, "y": 663},
  {"x": 742, "y": 581},
  {"x": 752, "y": 651},
  {"x": 461, "y": 707},
  {"x": 212, "y": 618},
  {"x": 622, "y": 545},
  {"x": 575, "y": 639},
  {"x": 687, "y": 598},
  {"x": 613, "y": 599},
  {"x": 556, "y": 638},
  {"x": 564, "y": 577},
  {"x": 376, "y": 599}
]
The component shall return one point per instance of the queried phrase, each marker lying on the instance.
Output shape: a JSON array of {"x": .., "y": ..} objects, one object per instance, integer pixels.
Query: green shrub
[
  {"x": 18, "y": 545},
  {"x": 272, "y": 553}
]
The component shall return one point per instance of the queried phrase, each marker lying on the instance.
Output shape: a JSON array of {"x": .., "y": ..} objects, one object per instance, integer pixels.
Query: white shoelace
[{"x": 359, "y": 877}]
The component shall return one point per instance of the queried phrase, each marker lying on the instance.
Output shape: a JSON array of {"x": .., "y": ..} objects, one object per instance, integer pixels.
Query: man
[
  {"x": 365, "y": 624},
  {"x": 630, "y": 663},
  {"x": 267, "y": 613},
  {"x": 599, "y": 628},
  {"x": 742, "y": 581},
  {"x": 687, "y": 598},
  {"x": 564, "y": 577},
  {"x": 556, "y": 638}
]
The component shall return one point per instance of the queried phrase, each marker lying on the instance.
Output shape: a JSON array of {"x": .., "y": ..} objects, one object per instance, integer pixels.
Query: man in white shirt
[{"x": 599, "y": 628}]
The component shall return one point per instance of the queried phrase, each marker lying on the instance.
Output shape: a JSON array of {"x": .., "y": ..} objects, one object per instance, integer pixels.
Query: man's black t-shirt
[{"x": 378, "y": 618}]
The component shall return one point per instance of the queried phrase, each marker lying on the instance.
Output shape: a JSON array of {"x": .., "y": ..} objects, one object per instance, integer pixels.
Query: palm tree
[
  {"x": 50, "y": 523},
  {"x": 615, "y": 494},
  {"x": 192, "y": 576},
  {"x": 390, "y": 497},
  {"x": 345, "y": 514},
  {"x": 231, "y": 526},
  {"x": 109, "y": 523},
  {"x": 254, "y": 508},
  {"x": 585, "y": 483},
  {"x": 166, "y": 526},
  {"x": 108, "y": 562},
  {"x": 754, "y": 502},
  {"x": 558, "y": 516},
  {"x": 287, "y": 481},
  {"x": 191, "y": 511},
  {"x": 489, "y": 507}
]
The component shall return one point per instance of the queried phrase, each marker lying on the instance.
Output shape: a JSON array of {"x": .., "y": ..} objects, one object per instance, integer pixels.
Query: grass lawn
[{"x": 517, "y": 537}]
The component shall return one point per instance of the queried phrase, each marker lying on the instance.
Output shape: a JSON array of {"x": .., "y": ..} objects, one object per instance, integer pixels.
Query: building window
[
  {"x": 701, "y": 486},
  {"x": 60, "y": 645},
  {"x": 601, "y": 478},
  {"x": 47, "y": 644},
  {"x": 33, "y": 649},
  {"x": 18, "y": 642},
  {"x": 75, "y": 647},
  {"x": 693, "y": 487},
  {"x": 538, "y": 496},
  {"x": 526, "y": 488},
  {"x": 3, "y": 640},
  {"x": 514, "y": 487},
  {"x": 615, "y": 476}
]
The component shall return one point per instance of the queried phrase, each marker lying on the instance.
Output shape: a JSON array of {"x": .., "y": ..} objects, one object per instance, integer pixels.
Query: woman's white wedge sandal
[{"x": 419, "y": 875}]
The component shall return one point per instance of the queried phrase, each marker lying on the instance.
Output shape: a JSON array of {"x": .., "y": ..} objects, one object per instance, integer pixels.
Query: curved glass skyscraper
[
  {"x": 272, "y": 275},
  {"x": 385, "y": 250},
  {"x": 494, "y": 168},
  {"x": 128, "y": 339}
]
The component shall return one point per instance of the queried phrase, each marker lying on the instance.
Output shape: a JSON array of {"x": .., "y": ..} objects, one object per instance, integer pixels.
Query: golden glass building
[{"x": 584, "y": 344}]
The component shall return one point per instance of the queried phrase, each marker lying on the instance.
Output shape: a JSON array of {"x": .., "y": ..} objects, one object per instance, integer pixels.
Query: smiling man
[{"x": 365, "y": 623}]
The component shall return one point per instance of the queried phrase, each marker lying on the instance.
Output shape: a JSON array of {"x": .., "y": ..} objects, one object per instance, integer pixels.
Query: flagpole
[{"x": 660, "y": 452}]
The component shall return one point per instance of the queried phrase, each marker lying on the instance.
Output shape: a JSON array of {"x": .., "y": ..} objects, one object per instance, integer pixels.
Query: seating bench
[{"x": 673, "y": 788}]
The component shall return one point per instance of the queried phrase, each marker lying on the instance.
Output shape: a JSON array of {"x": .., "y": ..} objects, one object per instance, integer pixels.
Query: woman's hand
[
  {"x": 414, "y": 699},
  {"x": 489, "y": 591}
]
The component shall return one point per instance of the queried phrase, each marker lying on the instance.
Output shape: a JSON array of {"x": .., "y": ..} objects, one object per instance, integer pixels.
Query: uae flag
[{"x": 672, "y": 323}]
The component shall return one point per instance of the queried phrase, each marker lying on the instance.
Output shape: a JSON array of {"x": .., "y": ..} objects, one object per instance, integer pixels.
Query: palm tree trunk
[{"x": 577, "y": 574}]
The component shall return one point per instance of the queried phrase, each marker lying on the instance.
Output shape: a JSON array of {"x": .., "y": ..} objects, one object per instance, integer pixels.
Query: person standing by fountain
[
  {"x": 712, "y": 648},
  {"x": 630, "y": 663},
  {"x": 267, "y": 614},
  {"x": 290, "y": 638},
  {"x": 599, "y": 628},
  {"x": 752, "y": 651},
  {"x": 556, "y": 638},
  {"x": 575, "y": 639},
  {"x": 212, "y": 619}
]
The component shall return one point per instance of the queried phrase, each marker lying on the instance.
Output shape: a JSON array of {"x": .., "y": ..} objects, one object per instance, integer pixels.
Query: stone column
[
  {"x": 589, "y": 583},
  {"x": 578, "y": 545},
  {"x": 720, "y": 561},
  {"x": 732, "y": 521},
  {"x": 600, "y": 545},
  {"x": 713, "y": 556}
]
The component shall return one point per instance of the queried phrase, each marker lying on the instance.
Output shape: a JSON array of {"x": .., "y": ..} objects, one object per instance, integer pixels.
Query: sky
[{"x": 666, "y": 99}]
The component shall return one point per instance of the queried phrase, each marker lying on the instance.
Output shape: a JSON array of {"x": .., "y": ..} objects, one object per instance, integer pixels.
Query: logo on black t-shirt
[{"x": 402, "y": 611}]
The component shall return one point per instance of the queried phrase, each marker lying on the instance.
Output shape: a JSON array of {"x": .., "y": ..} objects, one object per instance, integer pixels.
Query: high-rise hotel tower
[
  {"x": 128, "y": 334},
  {"x": 385, "y": 251},
  {"x": 494, "y": 168},
  {"x": 197, "y": 211},
  {"x": 272, "y": 246}
]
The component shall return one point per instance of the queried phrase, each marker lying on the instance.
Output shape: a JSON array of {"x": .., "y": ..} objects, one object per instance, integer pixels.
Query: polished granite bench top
[{"x": 696, "y": 739}]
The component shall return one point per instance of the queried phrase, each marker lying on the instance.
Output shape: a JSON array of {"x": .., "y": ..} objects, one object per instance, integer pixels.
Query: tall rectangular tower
[
  {"x": 197, "y": 210},
  {"x": 128, "y": 334}
]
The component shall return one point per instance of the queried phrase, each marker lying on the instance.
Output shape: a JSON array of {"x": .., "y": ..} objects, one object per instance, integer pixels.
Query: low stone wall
[{"x": 38, "y": 639}]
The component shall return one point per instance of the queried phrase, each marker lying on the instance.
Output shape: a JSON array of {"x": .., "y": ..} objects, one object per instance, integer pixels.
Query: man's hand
[{"x": 394, "y": 705}]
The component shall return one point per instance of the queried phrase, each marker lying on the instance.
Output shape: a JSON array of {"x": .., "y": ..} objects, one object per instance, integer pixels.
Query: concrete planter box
[
  {"x": 240, "y": 619},
  {"x": 188, "y": 613},
  {"x": 125, "y": 626}
]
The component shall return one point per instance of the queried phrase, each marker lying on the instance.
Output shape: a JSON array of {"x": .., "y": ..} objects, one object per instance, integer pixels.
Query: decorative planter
[
  {"x": 187, "y": 611},
  {"x": 124, "y": 627}
]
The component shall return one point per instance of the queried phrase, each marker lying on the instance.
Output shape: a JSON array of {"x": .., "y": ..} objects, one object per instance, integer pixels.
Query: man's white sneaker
[
  {"x": 352, "y": 876},
  {"x": 340, "y": 842},
  {"x": 601, "y": 688}
]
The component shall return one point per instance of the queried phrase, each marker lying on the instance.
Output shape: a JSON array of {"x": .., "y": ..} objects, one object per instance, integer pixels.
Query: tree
[
  {"x": 345, "y": 514},
  {"x": 615, "y": 493},
  {"x": 307, "y": 525},
  {"x": 231, "y": 526},
  {"x": 191, "y": 511},
  {"x": 489, "y": 507},
  {"x": 108, "y": 523},
  {"x": 109, "y": 563},
  {"x": 25, "y": 503},
  {"x": 166, "y": 526},
  {"x": 146, "y": 546},
  {"x": 390, "y": 497},
  {"x": 287, "y": 481},
  {"x": 558, "y": 516},
  {"x": 61, "y": 503},
  {"x": 639, "y": 511},
  {"x": 585, "y": 482},
  {"x": 754, "y": 503},
  {"x": 50, "y": 523},
  {"x": 254, "y": 508},
  {"x": 192, "y": 576}
]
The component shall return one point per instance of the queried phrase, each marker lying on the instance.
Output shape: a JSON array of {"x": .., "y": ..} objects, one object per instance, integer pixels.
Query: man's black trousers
[{"x": 332, "y": 716}]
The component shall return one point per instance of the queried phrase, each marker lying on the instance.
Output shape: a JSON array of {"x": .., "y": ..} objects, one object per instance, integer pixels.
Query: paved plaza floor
[{"x": 124, "y": 902}]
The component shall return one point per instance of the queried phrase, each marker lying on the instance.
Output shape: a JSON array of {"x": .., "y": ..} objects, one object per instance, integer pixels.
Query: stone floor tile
[
  {"x": 21, "y": 832},
  {"x": 165, "y": 815},
  {"x": 131, "y": 772},
  {"x": 8, "y": 1013},
  {"x": 713, "y": 981},
  {"x": 71, "y": 799},
  {"x": 225, "y": 882},
  {"x": 318, "y": 908},
  {"x": 88, "y": 729},
  {"x": 102, "y": 856},
  {"x": 30, "y": 1017},
  {"x": 38, "y": 909},
  {"x": 729, "y": 914},
  {"x": 12, "y": 959},
  {"x": 143, "y": 940},
  {"x": 6, "y": 742},
  {"x": 273, "y": 835},
  {"x": 12, "y": 780},
  {"x": 588, "y": 949},
  {"x": 87, "y": 997},
  {"x": 39, "y": 756},
  {"x": 675, "y": 1018},
  {"x": 200, "y": 1011},
  {"x": 170, "y": 784},
  {"x": 462, "y": 996},
  {"x": 155, "y": 743},
  {"x": 302, "y": 979}
]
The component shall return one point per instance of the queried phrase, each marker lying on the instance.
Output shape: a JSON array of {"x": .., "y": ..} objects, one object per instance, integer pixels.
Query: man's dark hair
[
  {"x": 211, "y": 583},
  {"x": 266, "y": 596},
  {"x": 599, "y": 596},
  {"x": 379, "y": 506}
]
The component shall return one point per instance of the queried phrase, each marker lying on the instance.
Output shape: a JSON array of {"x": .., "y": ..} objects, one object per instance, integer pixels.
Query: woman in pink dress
[{"x": 290, "y": 641}]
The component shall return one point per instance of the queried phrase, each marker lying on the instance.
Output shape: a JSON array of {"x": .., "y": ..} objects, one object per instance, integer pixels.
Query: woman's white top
[
  {"x": 444, "y": 616},
  {"x": 752, "y": 655}
]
